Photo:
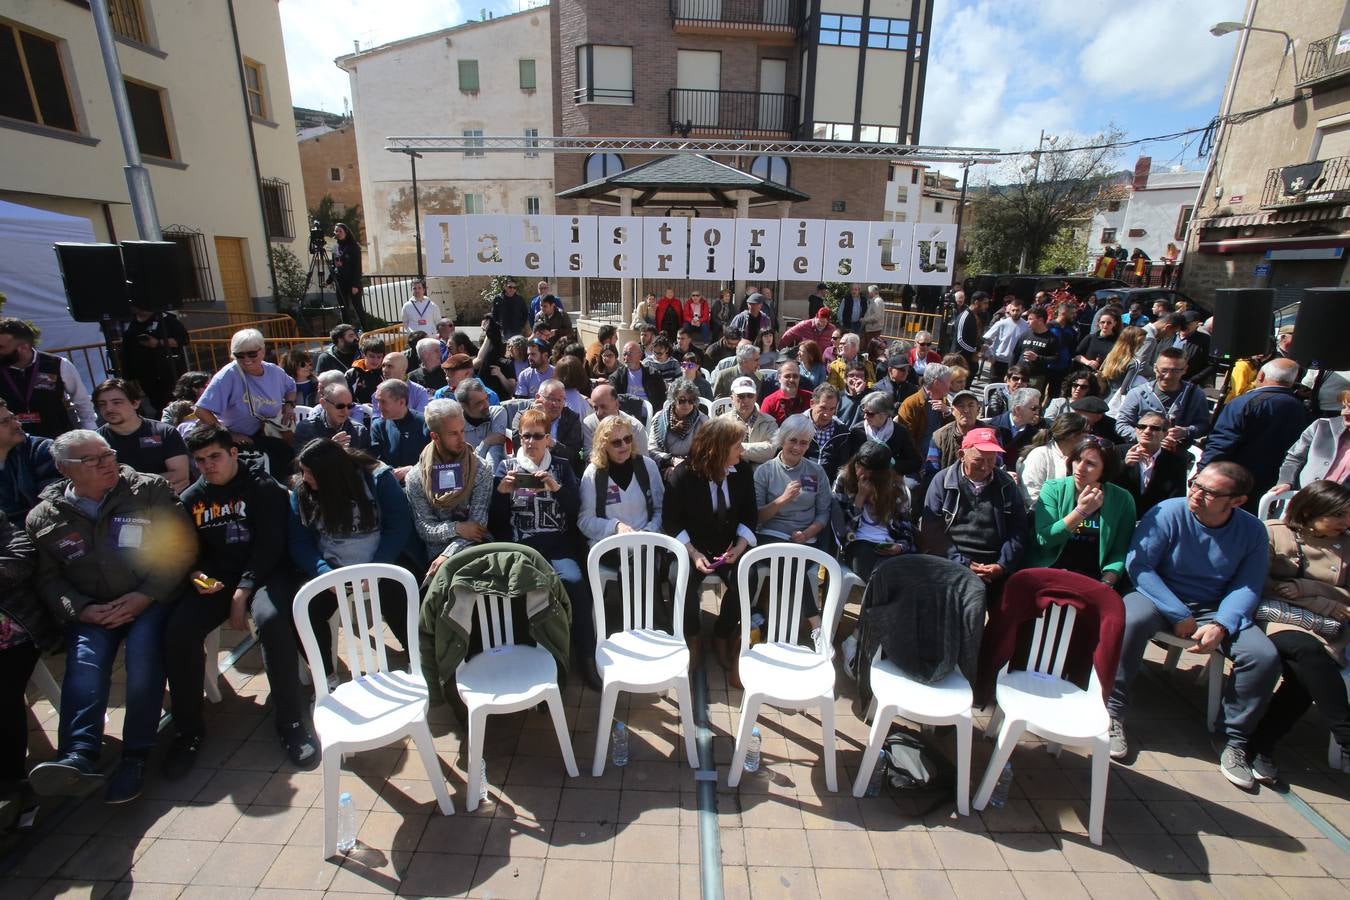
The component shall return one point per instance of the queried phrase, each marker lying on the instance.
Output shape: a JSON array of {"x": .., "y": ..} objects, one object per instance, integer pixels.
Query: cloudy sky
[{"x": 999, "y": 73}]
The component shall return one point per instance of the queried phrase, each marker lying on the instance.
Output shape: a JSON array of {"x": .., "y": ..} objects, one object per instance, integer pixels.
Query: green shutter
[
  {"x": 468, "y": 75},
  {"x": 527, "y": 79}
]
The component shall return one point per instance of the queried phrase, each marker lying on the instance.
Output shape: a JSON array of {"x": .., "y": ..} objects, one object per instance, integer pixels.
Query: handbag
[{"x": 1284, "y": 613}]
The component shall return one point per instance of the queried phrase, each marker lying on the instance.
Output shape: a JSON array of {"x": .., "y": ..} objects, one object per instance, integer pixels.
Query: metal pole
[
  {"x": 253, "y": 154},
  {"x": 960, "y": 214},
  {"x": 413, "y": 157},
  {"x": 138, "y": 178},
  {"x": 1035, "y": 177}
]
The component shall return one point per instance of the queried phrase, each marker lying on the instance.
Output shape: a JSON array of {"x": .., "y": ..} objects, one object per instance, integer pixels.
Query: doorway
[
  {"x": 234, "y": 275},
  {"x": 698, "y": 75}
]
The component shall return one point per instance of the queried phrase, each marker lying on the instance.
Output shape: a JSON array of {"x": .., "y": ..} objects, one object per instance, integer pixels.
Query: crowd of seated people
[{"x": 153, "y": 534}]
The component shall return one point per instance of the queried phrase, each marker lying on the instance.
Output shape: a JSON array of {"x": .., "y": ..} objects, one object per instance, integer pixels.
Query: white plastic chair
[
  {"x": 1213, "y": 670},
  {"x": 379, "y": 705},
  {"x": 947, "y": 702},
  {"x": 506, "y": 677},
  {"x": 989, "y": 391},
  {"x": 1195, "y": 451},
  {"x": 42, "y": 681},
  {"x": 780, "y": 671},
  {"x": 640, "y": 658},
  {"x": 1040, "y": 701},
  {"x": 211, "y": 678},
  {"x": 647, "y": 411},
  {"x": 706, "y": 405},
  {"x": 721, "y": 405},
  {"x": 707, "y": 376},
  {"x": 1271, "y": 506}
]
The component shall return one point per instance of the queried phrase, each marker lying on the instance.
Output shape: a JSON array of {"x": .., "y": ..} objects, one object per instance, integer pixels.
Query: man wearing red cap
[
  {"x": 974, "y": 513},
  {"x": 818, "y": 328}
]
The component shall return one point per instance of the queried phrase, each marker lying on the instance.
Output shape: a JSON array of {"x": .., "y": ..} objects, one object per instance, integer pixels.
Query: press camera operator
[{"x": 153, "y": 345}]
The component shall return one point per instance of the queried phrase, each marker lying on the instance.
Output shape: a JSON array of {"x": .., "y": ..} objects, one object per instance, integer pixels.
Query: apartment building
[
  {"x": 485, "y": 78},
  {"x": 1149, "y": 212},
  {"x": 830, "y": 70},
  {"x": 211, "y": 107},
  {"x": 1274, "y": 207}
]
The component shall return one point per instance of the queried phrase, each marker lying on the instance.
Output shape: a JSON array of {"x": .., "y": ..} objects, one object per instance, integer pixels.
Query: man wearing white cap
[{"x": 759, "y": 425}]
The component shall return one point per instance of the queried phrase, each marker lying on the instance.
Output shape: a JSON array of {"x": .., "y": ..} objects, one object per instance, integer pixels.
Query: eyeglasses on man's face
[
  {"x": 1150, "y": 428},
  {"x": 1195, "y": 486},
  {"x": 98, "y": 459},
  {"x": 336, "y": 405}
]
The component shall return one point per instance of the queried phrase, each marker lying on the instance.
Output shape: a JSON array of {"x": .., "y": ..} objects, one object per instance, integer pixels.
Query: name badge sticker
[
  {"x": 448, "y": 476},
  {"x": 128, "y": 532},
  {"x": 809, "y": 484},
  {"x": 612, "y": 494}
]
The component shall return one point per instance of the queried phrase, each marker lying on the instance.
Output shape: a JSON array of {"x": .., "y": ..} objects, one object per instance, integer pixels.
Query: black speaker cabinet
[
  {"x": 95, "y": 284},
  {"x": 1322, "y": 328},
  {"x": 155, "y": 274},
  {"x": 1243, "y": 322}
]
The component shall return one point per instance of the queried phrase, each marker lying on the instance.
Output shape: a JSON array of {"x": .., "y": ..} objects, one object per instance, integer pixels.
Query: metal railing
[
  {"x": 761, "y": 14},
  {"x": 1322, "y": 181},
  {"x": 128, "y": 20},
  {"x": 1325, "y": 58},
  {"x": 383, "y": 296},
  {"x": 1157, "y": 273},
  {"x": 732, "y": 112},
  {"x": 903, "y": 324}
]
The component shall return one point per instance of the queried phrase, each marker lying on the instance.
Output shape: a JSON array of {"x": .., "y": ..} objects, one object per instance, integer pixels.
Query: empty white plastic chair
[
  {"x": 1214, "y": 670},
  {"x": 948, "y": 702},
  {"x": 506, "y": 677},
  {"x": 640, "y": 658},
  {"x": 211, "y": 677},
  {"x": 779, "y": 671},
  {"x": 1040, "y": 701},
  {"x": 379, "y": 705}
]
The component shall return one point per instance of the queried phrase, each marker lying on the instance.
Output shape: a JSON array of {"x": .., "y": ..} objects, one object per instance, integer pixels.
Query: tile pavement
[{"x": 247, "y": 824}]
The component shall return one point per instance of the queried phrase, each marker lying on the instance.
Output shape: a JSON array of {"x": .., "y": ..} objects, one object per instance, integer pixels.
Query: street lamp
[{"x": 1222, "y": 28}]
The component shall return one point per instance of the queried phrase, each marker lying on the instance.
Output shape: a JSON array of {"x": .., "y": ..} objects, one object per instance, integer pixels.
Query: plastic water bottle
[
  {"x": 752, "y": 751},
  {"x": 1001, "y": 789},
  {"x": 757, "y": 623},
  {"x": 346, "y": 823},
  {"x": 618, "y": 750},
  {"x": 484, "y": 797},
  {"x": 878, "y": 775}
]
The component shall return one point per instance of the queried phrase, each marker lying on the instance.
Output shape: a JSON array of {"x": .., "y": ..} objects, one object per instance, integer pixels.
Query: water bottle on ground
[
  {"x": 618, "y": 750},
  {"x": 878, "y": 775},
  {"x": 1001, "y": 789},
  {"x": 483, "y": 782},
  {"x": 752, "y": 751},
  {"x": 346, "y": 823}
]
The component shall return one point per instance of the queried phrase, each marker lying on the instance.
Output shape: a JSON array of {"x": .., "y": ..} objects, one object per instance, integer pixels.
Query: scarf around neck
[{"x": 884, "y": 435}]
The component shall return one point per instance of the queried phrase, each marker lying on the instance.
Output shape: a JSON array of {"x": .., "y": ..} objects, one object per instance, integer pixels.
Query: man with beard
[
  {"x": 484, "y": 424},
  {"x": 40, "y": 388},
  {"x": 450, "y": 488},
  {"x": 340, "y": 355}
]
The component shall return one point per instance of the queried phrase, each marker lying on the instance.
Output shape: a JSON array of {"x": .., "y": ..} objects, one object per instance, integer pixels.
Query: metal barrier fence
[
  {"x": 903, "y": 324},
  {"x": 383, "y": 296}
]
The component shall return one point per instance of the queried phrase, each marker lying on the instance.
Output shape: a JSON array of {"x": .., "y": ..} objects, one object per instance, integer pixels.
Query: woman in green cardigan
[{"x": 1084, "y": 522}]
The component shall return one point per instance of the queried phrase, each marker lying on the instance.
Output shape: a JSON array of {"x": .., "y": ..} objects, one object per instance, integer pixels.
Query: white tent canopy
[{"x": 31, "y": 279}]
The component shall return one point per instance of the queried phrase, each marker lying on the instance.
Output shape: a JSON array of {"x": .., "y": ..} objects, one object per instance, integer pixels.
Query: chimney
[{"x": 1141, "y": 169}]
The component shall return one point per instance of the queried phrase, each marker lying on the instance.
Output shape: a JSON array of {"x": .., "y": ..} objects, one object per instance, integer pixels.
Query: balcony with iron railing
[
  {"x": 737, "y": 113},
  {"x": 762, "y": 19},
  {"x": 1326, "y": 60},
  {"x": 1324, "y": 181}
]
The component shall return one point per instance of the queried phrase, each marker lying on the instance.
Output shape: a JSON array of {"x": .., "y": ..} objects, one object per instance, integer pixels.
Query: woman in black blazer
[{"x": 710, "y": 508}]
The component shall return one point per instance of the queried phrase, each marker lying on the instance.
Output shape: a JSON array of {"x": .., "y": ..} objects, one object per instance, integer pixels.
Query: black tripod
[{"x": 320, "y": 273}]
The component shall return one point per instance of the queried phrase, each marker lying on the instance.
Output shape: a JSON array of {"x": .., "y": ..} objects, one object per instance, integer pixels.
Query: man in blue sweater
[{"x": 1198, "y": 564}]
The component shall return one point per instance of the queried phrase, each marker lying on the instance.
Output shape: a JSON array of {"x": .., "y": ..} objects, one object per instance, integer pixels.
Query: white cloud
[{"x": 318, "y": 31}]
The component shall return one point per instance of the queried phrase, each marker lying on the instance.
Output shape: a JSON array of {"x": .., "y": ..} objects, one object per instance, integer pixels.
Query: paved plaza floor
[{"x": 245, "y": 823}]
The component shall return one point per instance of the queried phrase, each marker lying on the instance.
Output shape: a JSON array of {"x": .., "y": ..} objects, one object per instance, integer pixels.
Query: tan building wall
[
  {"x": 325, "y": 156},
  {"x": 1235, "y": 202},
  {"x": 208, "y": 184}
]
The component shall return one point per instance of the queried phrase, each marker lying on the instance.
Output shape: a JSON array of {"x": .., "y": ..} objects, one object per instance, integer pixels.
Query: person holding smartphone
[{"x": 536, "y": 501}]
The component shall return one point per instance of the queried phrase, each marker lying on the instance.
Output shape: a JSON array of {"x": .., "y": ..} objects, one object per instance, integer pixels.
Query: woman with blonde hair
[
  {"x": 1120, "y": 369},
  {"x": 621, "y": 490}
]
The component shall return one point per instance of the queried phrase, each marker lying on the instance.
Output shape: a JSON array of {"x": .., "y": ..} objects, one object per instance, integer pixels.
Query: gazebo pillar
[
  {"x": 742, "y": 212},
  {"x": 626, "y": 196}
]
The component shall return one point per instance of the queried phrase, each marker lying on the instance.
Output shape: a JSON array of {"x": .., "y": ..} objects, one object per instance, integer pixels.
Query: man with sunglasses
[
  {"x": 1198, "y": 566},
  {"x": 510, "y": 311},
  {"x": 1147, "y": 470},
  {"x": 114, "y": 548},
  {"x": 332, "y": 419}
]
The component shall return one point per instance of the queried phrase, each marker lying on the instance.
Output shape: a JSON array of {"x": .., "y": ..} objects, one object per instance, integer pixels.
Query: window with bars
[
  {"x": 128, "y": 20},
  {"x": 277, "y": 209},
  {"x": 334, "y": 174},
  {"x": 475, "y": 139},
  {"x": 193, "y": 263},
  {"x": 34, "y": 78},
  {"x": 149, "y": 119},
  {"x": 253, "y": 80},
  {"x": 468, "y": 76}
]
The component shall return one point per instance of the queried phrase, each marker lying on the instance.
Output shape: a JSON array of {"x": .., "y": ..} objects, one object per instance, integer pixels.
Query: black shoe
[
  {"x": 124, "y": 784},
  {"x": 300, "y": 745},
  {"x": 70, "y": 776},
  {"x": 592, "y": 676},
  {"x": 182, "y": 756}
]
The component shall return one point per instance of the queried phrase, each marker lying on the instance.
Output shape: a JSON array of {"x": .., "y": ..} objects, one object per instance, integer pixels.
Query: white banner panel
[
  {"x": 665, "y": 247},
  {"x": 620, "y": 246},
  {"x": 757, "y": 249},
  {"x": 447, "y": 252},
  {"x": 712, "y": 248},
  {"x": 531, "y": 245},
  {"x": 844, "y": 257},
  {"x": 574, "y": 252},
  {"x": 799, "y": 249},
  {"x": 488, "y": 237},
  {"x": 934, "y": 253},
  {"x": 888, "y": 252}
]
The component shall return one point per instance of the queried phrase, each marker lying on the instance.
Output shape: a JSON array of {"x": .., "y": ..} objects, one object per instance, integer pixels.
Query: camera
[{"x": 316, "y": 237}]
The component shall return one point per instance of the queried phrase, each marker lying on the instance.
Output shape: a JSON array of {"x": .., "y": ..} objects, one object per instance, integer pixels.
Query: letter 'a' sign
[{"x": 720, "y": 249}]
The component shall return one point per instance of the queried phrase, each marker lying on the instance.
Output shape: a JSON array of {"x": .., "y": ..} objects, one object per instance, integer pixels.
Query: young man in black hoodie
[{"x": 240, "y": 518}]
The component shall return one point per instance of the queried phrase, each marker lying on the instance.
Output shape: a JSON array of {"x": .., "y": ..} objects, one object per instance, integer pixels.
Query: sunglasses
[
  {"x": 248, "y": 354},
  {"x": 685, "y": 400},
  {"x": 621, "y": 441},
  {"x": 925, "y": 343},
  {"x": 340, "y": 405},
  {"x": 688, "y": 365},
  {"x": 533, "y": 435},
  {"x": 1150, "y": 428}
]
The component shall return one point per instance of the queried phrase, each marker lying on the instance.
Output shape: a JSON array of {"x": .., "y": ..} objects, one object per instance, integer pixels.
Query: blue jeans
[{"x": 90, "y": 653}]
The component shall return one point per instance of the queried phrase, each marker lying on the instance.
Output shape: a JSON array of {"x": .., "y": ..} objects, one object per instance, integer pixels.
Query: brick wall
[{"x": 319, "y": 155}]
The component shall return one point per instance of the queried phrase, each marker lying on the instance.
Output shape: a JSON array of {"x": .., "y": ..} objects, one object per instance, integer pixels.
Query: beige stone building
[
  {"x": 209, "y": 95},
  {"x": 1274, "y": 207}
]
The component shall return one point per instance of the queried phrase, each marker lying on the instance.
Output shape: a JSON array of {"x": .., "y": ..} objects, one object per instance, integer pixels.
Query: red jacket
[
  {"x": 703, "y": 308},
  {"x": 662, "y": 305},
  {"x": 780, "y": 407},
  {"x": 933, "y": 356},
  {"x": 808, "y": 330},
  {"x": 1097, "y": 631}
]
